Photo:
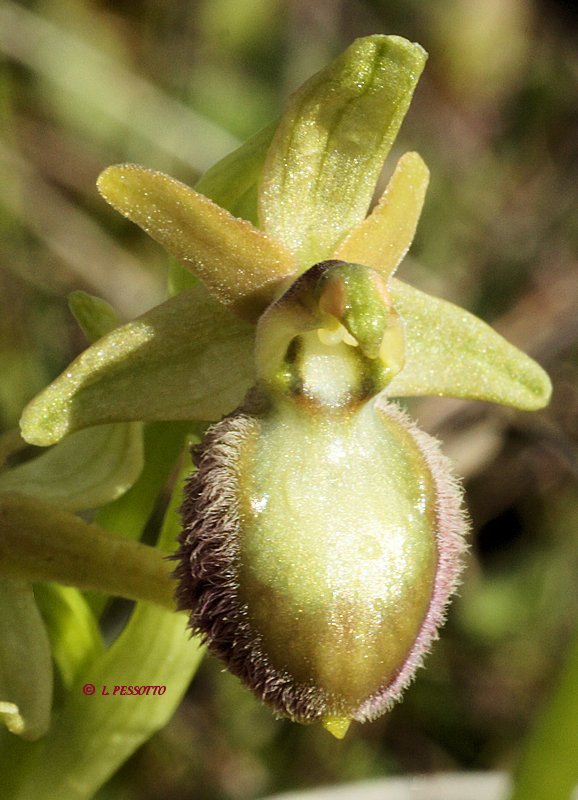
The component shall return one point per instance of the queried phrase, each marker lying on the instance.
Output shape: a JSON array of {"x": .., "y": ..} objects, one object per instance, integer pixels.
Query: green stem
[
  {"x": 549, "y": 767},
  {"x": 41, "y": 543}
]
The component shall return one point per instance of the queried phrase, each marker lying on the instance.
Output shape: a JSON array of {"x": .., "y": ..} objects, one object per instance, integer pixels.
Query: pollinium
[{"x": 322, "y": 529}]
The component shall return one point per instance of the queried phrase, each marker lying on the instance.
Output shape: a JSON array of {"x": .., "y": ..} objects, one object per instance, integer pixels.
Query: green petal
[
  {"x": 384, "y": 237},
  {"x": 86, "y": 470},
  {"x": 25, "y": 662},
  {"x": 239, "y": 264},
  {"x": 451, "y": 352},
  {"x": 328, "y": 151},
  {"x": 187, "y": 358},
  {"x": 232, "y": 184}
]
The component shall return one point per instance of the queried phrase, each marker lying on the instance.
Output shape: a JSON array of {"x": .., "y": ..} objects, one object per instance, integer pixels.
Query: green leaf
[
  {"x": 328, "y": 151},
  {"x": 128, "y": 516},
  {"x": 240, "y": 265},
  {"x": 187, "y": 358},
  {"x": 451, "y": 352},
  {"x": 86, "y": 470},
  {"x": 94, "y": 735},
  {"x": 25, "y": 662},
  {"x": 384, "y": 237},
  {"x": 75, "y": 638},
  {"x": 42, "y": 543},
  {"x": 92, "y": 467}
]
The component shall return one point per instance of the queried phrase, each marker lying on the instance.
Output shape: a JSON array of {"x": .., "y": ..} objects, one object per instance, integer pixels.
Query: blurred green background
[{"x": 174, "y": 86}]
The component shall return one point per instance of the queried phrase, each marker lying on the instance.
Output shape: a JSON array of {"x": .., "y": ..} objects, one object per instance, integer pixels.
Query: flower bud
[{"x": 322, "y": 531}]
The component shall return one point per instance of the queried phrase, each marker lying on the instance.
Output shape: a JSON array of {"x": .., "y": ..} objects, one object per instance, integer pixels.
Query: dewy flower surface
[{"x": 322, "y": 530}]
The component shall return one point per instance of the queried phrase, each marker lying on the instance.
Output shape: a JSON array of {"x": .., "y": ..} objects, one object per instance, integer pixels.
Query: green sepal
[
  {"x": 25, "y": 662},
  {"x": 327, "y": 153},
  {"x": 179, "y": 279},
  {"x": 86, "y": 470},
  {"x": 187, "y": 358},
  {"x": 240, "y": 265},
  {"x": 453, "y": 353}
]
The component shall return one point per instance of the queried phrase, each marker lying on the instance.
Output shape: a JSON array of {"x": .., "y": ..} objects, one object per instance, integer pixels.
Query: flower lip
[{"x": 212, "y": 570}]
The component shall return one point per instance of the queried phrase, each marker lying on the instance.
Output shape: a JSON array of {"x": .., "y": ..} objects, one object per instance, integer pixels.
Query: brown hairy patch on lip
[{"x": 208, "y": 568}]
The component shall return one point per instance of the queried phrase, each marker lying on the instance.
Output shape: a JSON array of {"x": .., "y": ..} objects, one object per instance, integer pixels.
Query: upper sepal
[{"x": 328, "y": 151}]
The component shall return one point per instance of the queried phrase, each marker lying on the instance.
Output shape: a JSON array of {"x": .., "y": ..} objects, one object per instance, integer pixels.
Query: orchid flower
[{"x": 322, "y": 530}]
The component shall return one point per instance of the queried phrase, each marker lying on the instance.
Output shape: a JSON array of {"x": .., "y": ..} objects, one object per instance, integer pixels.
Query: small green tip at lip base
[{"x": 336, "y": 726}]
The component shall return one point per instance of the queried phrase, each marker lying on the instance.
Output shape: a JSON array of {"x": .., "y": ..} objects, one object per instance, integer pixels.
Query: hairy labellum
[
  {"x": 322, "y": 529},
  {"x": 318, "y": 554}
]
